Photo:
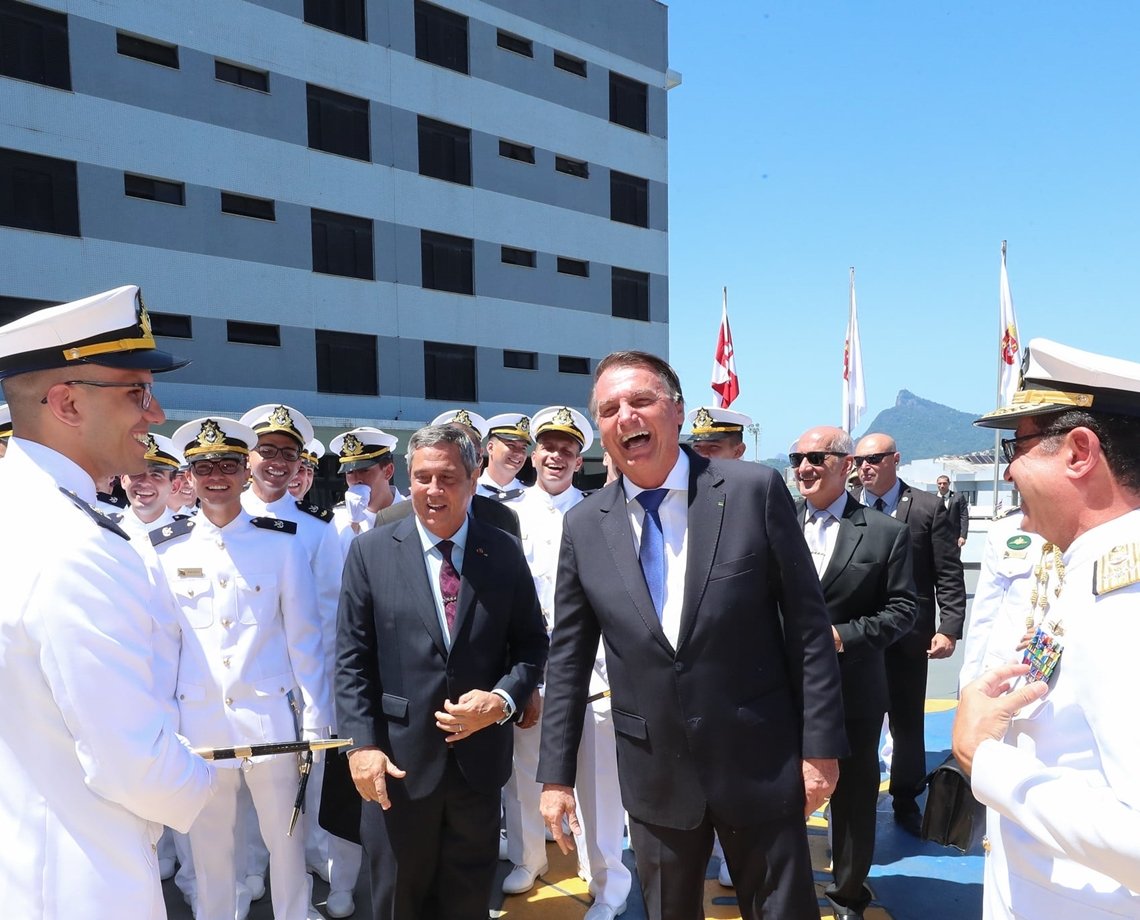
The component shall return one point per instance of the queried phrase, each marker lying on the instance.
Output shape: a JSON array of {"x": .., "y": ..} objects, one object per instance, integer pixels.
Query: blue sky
[{"x": 907, "y": 140}]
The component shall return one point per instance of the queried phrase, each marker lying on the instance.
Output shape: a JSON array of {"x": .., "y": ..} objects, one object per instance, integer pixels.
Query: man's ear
[
  {"x": 62, "y": 404},
  {"x": 1082, "y": 452}
]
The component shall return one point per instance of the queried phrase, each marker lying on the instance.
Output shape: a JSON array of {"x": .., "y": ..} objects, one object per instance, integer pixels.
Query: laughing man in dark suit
[
  {"x": 439, "y": 643},
  {"x": 863, "y": 560},
  {"x": 725, "y": 686}
]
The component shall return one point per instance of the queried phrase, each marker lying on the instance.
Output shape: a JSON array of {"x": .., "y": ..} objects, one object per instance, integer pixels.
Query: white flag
[
  {"x": 1009, "y": 346},
  {"x": 854, "y": 392}
]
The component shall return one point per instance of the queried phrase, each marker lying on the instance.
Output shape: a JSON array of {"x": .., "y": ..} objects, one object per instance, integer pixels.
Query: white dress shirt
[
  {"x": 821, "y": 530},
  {"x": 674, "y": 514}
]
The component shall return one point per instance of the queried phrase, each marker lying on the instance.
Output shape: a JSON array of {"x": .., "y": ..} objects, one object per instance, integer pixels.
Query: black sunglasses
[
  {"x": 873, "y": 459},
  {"x": 1009, "y": 445},
  {"x": 814, "y": 457}
]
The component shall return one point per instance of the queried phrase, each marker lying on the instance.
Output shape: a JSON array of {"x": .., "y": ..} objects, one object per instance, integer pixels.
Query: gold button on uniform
[
  {"x": 229, "y": 701},
  {"x": 226, "y": 661},
  {"x": 223, "y": 581},
  {"x": 227, "y": 622}
]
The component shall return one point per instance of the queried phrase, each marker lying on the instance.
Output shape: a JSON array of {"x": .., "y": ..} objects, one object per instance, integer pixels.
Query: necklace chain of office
[{"x": 1050, "y": 561}]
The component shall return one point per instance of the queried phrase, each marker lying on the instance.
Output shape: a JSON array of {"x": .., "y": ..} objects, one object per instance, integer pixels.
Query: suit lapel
[
  {"x": 475, "y": 556},
  {"x": 619, "y": 538},
  {"x": 706, "y": 513},
  {"x": 850, "y": 533},
  {"x": 415, "y": 574},
  {"x": 902, "y": 512}
]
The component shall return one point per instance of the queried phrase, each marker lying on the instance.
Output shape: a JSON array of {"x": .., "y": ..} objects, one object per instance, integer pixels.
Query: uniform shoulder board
[
  {"x": 1118, "y": 568},
  {"x": 268, "y": 523},
  {"x": 321, "y": 514},
  {"x": 101, "y": 519},
  {"x": 177, "y": 528},
  {"x": 182, "y": 517},
  {"x": 109, "y": 498}
]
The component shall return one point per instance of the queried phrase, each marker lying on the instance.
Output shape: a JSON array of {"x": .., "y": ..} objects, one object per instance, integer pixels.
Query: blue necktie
[{"x": 652, "y": 554}]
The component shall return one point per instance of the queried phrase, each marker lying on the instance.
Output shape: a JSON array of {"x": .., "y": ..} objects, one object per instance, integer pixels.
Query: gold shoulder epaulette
[{"x": 1118, "y": 568}]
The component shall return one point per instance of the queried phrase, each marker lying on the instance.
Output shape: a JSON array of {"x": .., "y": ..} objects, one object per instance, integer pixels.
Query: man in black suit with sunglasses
[{"x": 938, "y": 577}]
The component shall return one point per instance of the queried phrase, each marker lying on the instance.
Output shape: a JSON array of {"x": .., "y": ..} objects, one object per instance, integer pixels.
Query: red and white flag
[
  {"x": 854, "y": 392},
  {"x": 1009, "y": 346},
  {"x": 725, "y": 383}
]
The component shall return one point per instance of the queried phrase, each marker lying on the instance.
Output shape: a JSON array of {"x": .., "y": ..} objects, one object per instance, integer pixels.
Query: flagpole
[{"x": 997, "y": 431}]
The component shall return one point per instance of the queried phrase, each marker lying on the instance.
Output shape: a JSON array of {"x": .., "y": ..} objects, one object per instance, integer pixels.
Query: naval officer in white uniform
[
  {"x": 93, "y": 765},
  {"x": 1059, "y": 774},
  {"x": 252, "y": 669}
]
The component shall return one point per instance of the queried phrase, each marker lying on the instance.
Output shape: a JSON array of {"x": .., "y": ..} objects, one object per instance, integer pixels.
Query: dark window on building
[
  {"x": 579, "y": 168},
  {"x": 449, "y": 372},
  {"x": 338, "y": 123},
  {"x": 446, "y": 262},
  {"x": 154, "y": 189},
  {"x": 568, "y": 364},
  {"x": 171, "y": 325},
  {"x": 515, "y": 43},
  {"x": 14, "y": 308},
  {"x": 343, "y": 16},
  {"x": 445, "y": 151},
  {"x": 247, "y": 206},
  {"x": 627, "y": 102},
  {"x": 569, "y": 63},
  {"x": 629, "y": 199},
  {"x": 146, "y": 50},
  {"x": 33, "y": 45},
  {"x": 522, "y": 360},
  {"x": 629, "y": 291},
  {"x": 252, "y": 333},
  {"x": 38, "y": 193},
  {"x": 513, "y": 151},
  {"x": 523, "y": 257},
  {"x": 441, "y": 36},
  {"x": 342, "y": 245},
  {"x": 241, "y": 76},
  {"x": 573, "y": 267},
  {"x": 346, "y": 363}
]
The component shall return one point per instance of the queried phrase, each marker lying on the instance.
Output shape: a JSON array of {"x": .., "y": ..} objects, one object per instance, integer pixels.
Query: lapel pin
[{"x": 479, "y": 551}]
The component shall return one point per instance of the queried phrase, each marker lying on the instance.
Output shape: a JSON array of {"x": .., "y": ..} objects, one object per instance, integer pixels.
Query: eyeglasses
[
  {"x": 1009, "y": 450},
  {"x": 873, "y": 459},
  {"x": 142, "y": 389},
  {"x": 269, "y": 452},
  {"x": 206, "y": 468},
  {"x": 814, "y": 457}
]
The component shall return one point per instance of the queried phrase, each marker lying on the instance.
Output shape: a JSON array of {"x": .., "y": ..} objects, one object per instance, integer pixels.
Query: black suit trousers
[
  {"x": 854, "y": 805},
  {"x": 432, "y": 858},
  {"x": 906, "y": 686},
  {"x": 769, "y": 862}
]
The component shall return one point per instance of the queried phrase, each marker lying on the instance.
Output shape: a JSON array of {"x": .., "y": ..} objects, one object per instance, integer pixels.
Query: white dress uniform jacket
[
  {"x": 93, "y": 764},
  {"x": 342, "y": 521},
  {"x": 1063, "y": 789},
  {"x": 249, "y": 640}
]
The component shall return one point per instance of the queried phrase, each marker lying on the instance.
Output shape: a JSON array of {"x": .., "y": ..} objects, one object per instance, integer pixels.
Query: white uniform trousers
[
  {"x": 214, "y": 839},
  {"x": 526, "y": 833},
  {"x": 600, "y": 810},
  {"x": 340, "y": 859}
]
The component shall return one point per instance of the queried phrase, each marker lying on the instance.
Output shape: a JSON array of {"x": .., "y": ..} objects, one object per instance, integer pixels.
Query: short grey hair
[
  {"x": 437, "y": 435},
  {"x": 842, "y": 442}
]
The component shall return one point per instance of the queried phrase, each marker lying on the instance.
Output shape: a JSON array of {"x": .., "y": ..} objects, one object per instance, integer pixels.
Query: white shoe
[
  {"x": 321, "y": 870},
  {"x": 723, "y": 877},
  {"x": 256, "y": 886},
  {"x": 167, "y": 866},
  {"x": 503, "y": 846},
  {"x": 604, "y": 912},
  {"x": 340, "y": 904},
  {"x": 521, "y": 879}
]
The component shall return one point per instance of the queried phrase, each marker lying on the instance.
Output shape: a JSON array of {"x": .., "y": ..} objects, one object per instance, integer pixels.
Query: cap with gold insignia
[
  {"x": 111, "y": 329},
  {"x": 279, "y": 419},
  {"x": 5, "y": 422},
  {"x": 463, "y": 417},
  {"x": 710, "y": 423},
  {"x": 510, "y": 426},
  {"x": 311, "y": 453},
  {"x": 214, "y": 438},
  {"x": 362, "y": 447},
  {"x": 1056, "y": 377},
  {"x": 161, "y": 451},
  {"x": 564, "y": 420}
]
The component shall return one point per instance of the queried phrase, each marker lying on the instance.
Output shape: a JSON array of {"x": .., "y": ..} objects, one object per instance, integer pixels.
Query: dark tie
[
  {"x": 652, "y": 553},
  {"x": 880, "y": 505},
  {"x": 448, "y": 584}
]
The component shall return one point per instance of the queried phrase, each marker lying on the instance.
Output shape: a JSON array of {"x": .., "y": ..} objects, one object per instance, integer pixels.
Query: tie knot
[
  {"x": 651, "y": 499},
  {"x": 444, "y": 547}
]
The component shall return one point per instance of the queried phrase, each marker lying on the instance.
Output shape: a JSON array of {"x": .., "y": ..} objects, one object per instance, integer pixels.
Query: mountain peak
[{"x": 923, "y": 428}]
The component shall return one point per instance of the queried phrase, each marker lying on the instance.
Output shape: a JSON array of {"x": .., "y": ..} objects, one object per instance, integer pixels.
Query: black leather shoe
[
  {"x": 844, "y": 913},
  {"x": 909, "y": 818}
]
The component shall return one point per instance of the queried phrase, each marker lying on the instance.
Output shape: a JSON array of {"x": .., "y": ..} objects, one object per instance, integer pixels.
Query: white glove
[{"x": 356, "y": 500}]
